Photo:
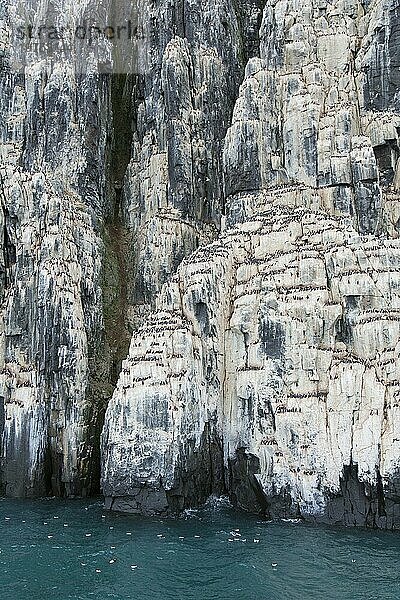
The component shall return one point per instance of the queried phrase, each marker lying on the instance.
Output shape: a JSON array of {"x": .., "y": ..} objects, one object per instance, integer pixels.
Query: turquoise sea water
[{"x": 75, "y": 550}]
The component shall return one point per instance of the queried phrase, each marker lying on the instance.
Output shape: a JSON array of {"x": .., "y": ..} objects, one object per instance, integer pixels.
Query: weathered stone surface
[
  {"x": 283, "y": 335},
  {"x": 107, "y": 183},
  {"x": 296, "y": 369},
  {"x": 232, "y": 213}
]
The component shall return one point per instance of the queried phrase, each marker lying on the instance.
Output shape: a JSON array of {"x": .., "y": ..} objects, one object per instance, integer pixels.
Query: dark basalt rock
[
  {"x": 199, "y": 474},
  {"x": 383, "y": 71},
  {"x": 244, "y": 489},
  {"x": 272, "y": 337},
  {"x": 363, "y": 505}
]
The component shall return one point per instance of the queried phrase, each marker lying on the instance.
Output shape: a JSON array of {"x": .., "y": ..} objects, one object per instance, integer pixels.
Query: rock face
[
  {"x": 227, "y": 222},
  {"x": 269, "y": 367}
]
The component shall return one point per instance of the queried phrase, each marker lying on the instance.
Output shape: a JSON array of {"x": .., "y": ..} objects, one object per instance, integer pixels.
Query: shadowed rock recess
[{"x": 200, "y": 264}]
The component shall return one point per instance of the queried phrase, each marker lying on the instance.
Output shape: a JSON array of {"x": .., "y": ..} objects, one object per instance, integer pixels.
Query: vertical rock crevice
[{"x": 117, "y": 264}]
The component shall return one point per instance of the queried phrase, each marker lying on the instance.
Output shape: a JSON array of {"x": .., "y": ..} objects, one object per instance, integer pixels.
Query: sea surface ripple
[{"x": 64, "y": 550}]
